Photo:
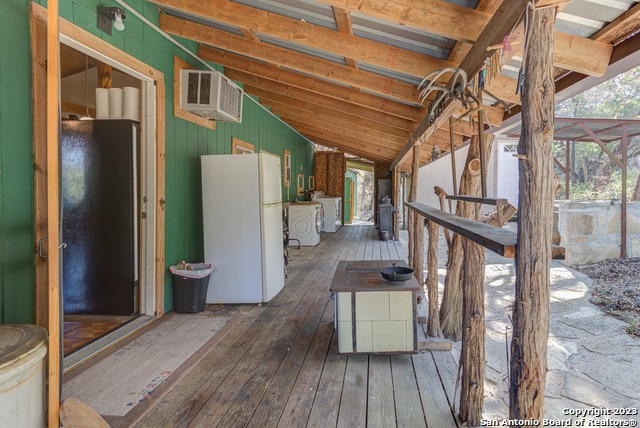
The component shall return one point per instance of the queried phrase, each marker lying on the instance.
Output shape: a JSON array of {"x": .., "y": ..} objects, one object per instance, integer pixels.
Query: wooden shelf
[
  {"x": 498, "y": 240},
  {"x": 479, "y": 200}
]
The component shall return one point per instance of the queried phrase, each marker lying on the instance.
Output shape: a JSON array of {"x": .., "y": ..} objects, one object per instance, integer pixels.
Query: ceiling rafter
[
  {"x": 272, "y": 72},
  {"x": 351, "y": 66},
  {"x": 306, "y": 34},
  {"x": 345, "y": 119},
  {"x": 435, "y": 16},
  {"x": 286, "y": 58}
]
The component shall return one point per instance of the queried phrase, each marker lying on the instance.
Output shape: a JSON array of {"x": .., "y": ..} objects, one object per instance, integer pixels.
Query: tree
[{"x": 593, "y": 171}]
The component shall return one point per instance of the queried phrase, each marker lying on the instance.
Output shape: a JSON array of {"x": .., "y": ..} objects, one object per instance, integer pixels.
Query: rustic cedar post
[
  {"x": 451, "y": 307},
  {"x": 416, "y": 228},
  {"x": 533, "y": 259},
  {"x": 472, "y": 357},
  {"x": 433, "y": 326}
]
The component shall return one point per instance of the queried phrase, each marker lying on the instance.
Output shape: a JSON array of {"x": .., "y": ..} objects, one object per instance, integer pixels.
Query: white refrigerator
[{"x": 242, "y": 215}]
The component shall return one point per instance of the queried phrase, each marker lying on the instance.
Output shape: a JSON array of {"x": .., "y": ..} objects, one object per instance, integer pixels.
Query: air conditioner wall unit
[{"x": 210, "y": 94}]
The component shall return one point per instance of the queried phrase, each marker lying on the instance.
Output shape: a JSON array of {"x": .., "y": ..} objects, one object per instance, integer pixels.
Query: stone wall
[{"x": 590, "y": 230}]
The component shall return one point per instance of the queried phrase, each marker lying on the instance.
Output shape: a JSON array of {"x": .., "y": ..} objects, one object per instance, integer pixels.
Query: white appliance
[
  {"x": 242, "y": 214},
  {"x": 332, "y": 207},
  {"x": 210, "y": 94},
  {"x": 305, "y": 222}
]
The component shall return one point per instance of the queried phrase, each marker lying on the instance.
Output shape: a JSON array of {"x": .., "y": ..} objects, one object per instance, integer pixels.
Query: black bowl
[{"x": 397, "y": 273}]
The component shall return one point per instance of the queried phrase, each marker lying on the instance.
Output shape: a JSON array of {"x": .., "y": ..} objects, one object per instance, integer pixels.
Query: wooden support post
[
  {"x": 454, "y": 174},
  {"x": 413, "y": 217},
  {"x": 53, "y": 126},
  {"x": 528, "y": 370},
  {"x": 439, "y": 191},
  {"x": 472, "y": 357},
  {"x": 623, "y": 206},
  {"x": 397, "y": 202},
  {"x": 451, "y": 307},
  {"x": 418, "y": 248},
  {"x": 105, "y": 76},
  {"x": 567, "y": 171},
  {"x": 433, "y": 326}
]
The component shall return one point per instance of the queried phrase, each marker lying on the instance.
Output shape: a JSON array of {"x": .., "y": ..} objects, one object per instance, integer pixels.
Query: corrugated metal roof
[
  {"x": 575, "y": 129},
  {"x": 580, "y": 18}
]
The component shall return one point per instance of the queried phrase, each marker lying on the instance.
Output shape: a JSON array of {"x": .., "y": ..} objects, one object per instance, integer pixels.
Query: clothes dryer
[
  {"x": 332, "y": 207},
  {"x": 306, "y": 222}
]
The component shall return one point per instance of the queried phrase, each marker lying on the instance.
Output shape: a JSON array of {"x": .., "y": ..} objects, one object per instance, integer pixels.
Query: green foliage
[{"x": 594, "y": 175}]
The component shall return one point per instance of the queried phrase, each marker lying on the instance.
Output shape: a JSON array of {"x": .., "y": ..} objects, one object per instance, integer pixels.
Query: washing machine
[
  {"x": 332, "y": 207},
  {"x": 306, "y": 222}
]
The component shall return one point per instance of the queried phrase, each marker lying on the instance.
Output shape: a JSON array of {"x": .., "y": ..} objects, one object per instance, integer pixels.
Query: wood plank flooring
[
  {"x": 278, "y": 365},
  {"x": 80, "y": 330}
]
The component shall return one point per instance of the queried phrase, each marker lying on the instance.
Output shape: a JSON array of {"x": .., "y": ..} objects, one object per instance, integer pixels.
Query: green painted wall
[
  {"x": 185, "y": 142},
  {"x": 16, "y": 166}
]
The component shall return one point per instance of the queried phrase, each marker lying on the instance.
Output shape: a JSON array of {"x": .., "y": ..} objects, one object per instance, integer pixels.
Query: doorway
[
  {"x": 150, "y": 303},
  {"x": 507, "y": 172},
  {"x": 99, "y": 176}
]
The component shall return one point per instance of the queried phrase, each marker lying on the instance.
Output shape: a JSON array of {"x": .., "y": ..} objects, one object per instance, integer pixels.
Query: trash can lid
[{"x": 18, "y": 342}]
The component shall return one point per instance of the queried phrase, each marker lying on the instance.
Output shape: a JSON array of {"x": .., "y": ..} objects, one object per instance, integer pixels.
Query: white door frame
[{"x": 147, "y": 173}]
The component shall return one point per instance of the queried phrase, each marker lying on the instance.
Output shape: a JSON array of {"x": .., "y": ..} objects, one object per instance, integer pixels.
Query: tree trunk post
[
  {"x": 528, "y": 369},
  {"x": 416, "y": 229},
  {"x": 472, "y": 356},
  {"x": 433, "y": 326},
  {"x": 451, "y": 307}
]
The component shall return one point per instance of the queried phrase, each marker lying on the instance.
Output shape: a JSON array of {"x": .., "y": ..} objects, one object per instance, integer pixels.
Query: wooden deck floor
[{"x": 278, "y": 365}]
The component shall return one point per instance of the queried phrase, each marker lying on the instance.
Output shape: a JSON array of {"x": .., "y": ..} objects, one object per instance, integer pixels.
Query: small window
[
  {"x": 287, "y": 168},
  {"x": 300, "y": 184},
  {"x": 239, "y": 147},
  {"x": 510, "y": 148}
]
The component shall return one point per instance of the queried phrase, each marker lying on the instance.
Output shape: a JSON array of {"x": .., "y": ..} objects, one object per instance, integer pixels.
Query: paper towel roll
[
  {"x": 102, "y": 103},
  {"x": 131, "y": 103},
  {"x": 115, "y": 103}
]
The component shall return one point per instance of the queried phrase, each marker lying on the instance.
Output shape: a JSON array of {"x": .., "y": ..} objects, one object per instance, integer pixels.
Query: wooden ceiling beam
[
  {"x": 377, "y": 142},
  {"x": 282, "y": 57},
  {"x": 434, "y": 16},
  {"x": 385, "y": 143},
  {"x": 309, "y": 35},
  {"x": 461, "y": 129},
  {"x": 359, "y": 152},
  {"x": 502, "y": 22},
  {"x": 572, "y": 53},
  {"x": 343, "y": 22},
  {"x": 620, "y": 28},
  {"x": 342, "y": 137},
  {"x": 269, "y": 90},
  {"x": 444, "y": 19},
  {"x": 321, "y": 87},
  {"x": 336, "y": 139},
  {"x": 347, "y": 120}
]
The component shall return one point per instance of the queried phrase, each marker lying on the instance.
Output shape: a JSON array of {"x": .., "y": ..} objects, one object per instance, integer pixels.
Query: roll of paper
[
  {"x": 115, "y": 103},
  {"x": 102, "y": 103},
  {"x": 131, "y": 103}
]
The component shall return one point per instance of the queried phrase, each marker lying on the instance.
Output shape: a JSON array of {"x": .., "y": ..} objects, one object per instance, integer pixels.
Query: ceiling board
[{"x": 363, "y": 60}]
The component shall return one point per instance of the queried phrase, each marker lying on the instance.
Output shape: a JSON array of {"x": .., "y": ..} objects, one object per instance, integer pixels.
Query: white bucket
[{"x": 22, "y": 375}]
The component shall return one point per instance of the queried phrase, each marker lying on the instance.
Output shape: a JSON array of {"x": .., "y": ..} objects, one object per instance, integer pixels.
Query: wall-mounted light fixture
[{"x": 109, "y": 15}]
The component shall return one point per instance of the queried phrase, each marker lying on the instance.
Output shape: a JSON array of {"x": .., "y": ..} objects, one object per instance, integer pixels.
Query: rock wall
[{"x": 590, "y": 230}]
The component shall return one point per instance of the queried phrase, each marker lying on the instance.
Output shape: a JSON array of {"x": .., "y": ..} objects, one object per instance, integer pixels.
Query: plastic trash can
[{"x": 190, "y": 284}]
